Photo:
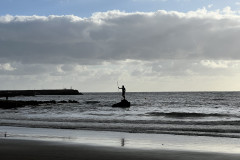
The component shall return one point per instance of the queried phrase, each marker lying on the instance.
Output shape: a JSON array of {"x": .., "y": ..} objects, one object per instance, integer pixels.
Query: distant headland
[{"x": 14, "y": 93}]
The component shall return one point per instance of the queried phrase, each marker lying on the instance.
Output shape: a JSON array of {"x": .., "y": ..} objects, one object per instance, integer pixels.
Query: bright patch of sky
[{"x": 85, "y": 8}]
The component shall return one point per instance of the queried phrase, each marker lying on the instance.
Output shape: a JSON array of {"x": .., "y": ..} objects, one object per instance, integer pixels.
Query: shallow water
[{"x": 126, "y": 140}]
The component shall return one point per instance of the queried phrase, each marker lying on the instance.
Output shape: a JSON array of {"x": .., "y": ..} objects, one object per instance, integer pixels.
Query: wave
[
  {"x": 218, "y": 99},
  {"x": 186, "y": 114},
  {"x": 99, "y": 114},
  {"x": 197, "y": 130},
  {"x": 123, "y": 121},
  {"x": 92, "y": 102}
]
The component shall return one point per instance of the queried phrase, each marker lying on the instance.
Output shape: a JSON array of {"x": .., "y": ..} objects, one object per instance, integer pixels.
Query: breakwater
[{"x": 13, "y": 93}]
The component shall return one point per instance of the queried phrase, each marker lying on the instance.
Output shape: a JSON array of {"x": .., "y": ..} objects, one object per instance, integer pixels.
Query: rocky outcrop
[
  {"x": 123, "y": 104},
  {"x": 9, "y": 104}
]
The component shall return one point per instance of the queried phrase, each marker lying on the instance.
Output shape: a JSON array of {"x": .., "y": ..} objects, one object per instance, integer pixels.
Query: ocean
[{"x": 215, "y": 114}]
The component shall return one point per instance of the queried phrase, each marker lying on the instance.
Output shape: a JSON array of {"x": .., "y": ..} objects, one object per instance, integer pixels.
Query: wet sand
[{"x": 15, "y": 149}]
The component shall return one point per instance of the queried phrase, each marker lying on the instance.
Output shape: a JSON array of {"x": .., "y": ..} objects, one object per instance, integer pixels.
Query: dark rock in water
[
  {"x": 9, "y": 104},
  {"x": 72, "y": 101},
  {"x": 16, "y": 104},
  {"x": 123, "y": 104}
]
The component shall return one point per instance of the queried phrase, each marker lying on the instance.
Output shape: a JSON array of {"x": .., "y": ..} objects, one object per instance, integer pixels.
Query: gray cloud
[
  {"x": 138, "y": 49},
  {"x": 117, "y": 35}
]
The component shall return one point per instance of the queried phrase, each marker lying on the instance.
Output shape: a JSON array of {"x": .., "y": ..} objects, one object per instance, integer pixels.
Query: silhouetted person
[{"x": 123, "y": 91}]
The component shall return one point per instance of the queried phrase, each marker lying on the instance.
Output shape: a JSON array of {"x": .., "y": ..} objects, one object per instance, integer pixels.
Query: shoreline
[
  {"x": 124, "y": 140},
  {"x": 12, "y": 149}
]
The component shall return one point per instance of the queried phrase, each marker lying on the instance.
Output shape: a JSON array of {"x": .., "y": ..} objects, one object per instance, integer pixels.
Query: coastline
[
  {"x": 123, "y": 140},
  {"x": 12, "y": 149}
]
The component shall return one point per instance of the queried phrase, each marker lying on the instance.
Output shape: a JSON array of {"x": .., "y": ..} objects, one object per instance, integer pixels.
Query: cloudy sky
[{"x": 147, "y": 45}]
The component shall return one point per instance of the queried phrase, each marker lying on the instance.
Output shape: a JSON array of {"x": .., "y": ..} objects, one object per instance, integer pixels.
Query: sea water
[{"x": 215, "y": 114}]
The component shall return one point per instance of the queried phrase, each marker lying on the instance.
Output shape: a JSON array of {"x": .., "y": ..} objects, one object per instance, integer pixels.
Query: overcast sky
[{"x": 147, "y": 45}]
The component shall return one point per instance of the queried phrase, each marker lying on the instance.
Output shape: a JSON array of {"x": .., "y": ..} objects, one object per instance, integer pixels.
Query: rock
[
  {"x": 62, "y": 101},
  {"x": 123, "y": 104},
  {"x": 8, "y": 104},
  {"x": 72, "y": 101}
]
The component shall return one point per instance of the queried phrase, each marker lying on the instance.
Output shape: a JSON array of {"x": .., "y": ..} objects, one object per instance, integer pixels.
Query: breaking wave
[
  {"x": 220, "y": 129},
  {"x": 186, "y": 114}
]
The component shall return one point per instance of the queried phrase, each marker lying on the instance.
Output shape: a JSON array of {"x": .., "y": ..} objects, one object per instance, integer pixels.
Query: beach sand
[{"x": 16, "y": 149}]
